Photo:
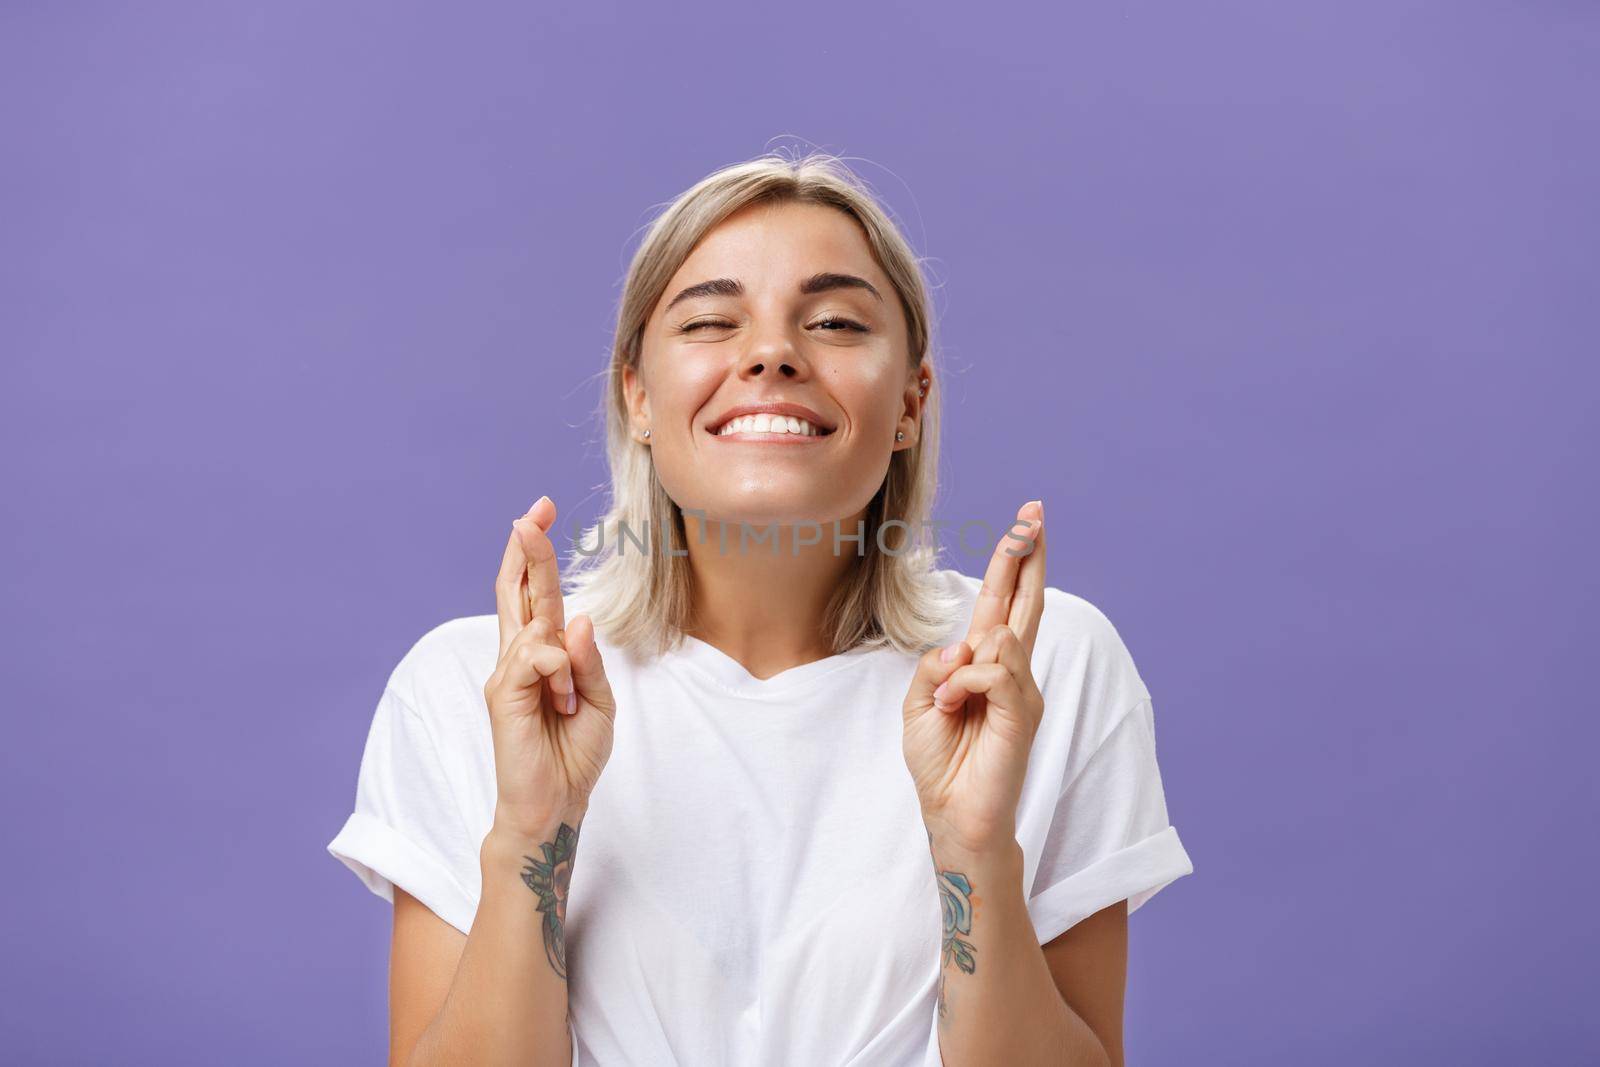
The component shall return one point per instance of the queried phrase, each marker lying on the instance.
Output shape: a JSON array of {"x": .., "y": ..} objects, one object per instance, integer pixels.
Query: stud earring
[
  {"x": 647, "y": 435},
  {"x": 899, "y": 435}
]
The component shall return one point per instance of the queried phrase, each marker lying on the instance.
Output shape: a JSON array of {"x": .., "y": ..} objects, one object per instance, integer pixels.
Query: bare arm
[
  {"x": 1003, "y": 998},
  {"x": 507, "y": 1000},
  {"x": 969, "y": 727},
  {"x": 423, "y": 954},
  {"x": 499, "y": 995},
  {"x": 1089, "y": 963}
]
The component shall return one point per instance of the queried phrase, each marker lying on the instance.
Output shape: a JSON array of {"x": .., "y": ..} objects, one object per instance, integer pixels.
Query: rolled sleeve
[
  {"x": 383, "y": 858},
  {"x": 406, "y": 828},
  {"x": 1110, "y": 838}
]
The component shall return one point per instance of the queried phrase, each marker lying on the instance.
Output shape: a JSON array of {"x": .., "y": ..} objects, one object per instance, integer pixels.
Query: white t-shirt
[{"x": 753, "y": 884}]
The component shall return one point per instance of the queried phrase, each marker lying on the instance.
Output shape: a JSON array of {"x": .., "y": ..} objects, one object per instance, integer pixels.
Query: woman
[{"x": 788, "y": 742}]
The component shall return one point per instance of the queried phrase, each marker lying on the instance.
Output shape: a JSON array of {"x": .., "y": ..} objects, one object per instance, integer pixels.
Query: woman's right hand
[{"x": 547, "y": 759}]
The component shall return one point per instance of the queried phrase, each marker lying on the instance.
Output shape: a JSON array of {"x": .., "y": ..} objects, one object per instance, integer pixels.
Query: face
[{"x": 818, "y": 366}]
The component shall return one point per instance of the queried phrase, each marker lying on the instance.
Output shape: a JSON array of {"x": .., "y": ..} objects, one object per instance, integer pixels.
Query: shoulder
[{"x": 443, "y": 673}]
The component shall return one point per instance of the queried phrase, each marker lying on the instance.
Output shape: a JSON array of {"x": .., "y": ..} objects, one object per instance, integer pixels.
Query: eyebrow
[{"x": 821, "y": 282}]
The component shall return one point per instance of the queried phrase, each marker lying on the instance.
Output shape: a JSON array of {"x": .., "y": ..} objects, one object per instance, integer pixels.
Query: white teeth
[{"x": 768, "y": 423}]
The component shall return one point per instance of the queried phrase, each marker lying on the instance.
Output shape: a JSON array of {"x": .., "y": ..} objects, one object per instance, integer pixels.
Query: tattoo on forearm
[
  {"x": 957, "y": 902},
  {"x": 550, "y": 878}
]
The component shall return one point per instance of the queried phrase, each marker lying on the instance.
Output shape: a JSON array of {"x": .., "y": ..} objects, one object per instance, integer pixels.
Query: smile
[{"x": 764, "y": 425}]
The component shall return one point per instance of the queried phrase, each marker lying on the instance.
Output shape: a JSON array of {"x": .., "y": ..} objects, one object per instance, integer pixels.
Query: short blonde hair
[{"x": 642, "y": 599}]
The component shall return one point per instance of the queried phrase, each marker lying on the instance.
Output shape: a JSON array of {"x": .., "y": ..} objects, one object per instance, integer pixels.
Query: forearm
[
  {"x": 508, "y": 1000},
  {"x": 998, "y": 1002}
]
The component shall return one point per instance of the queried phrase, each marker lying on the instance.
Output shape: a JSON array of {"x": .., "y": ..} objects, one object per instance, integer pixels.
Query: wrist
[
  {"x": 529, "y": 829},
  {"x": 999, "y": 853},
  {"x": 987, "y": 836}
]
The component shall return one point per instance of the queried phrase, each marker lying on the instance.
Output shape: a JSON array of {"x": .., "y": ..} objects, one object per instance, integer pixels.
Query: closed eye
[{"x": 834, "y": 323}]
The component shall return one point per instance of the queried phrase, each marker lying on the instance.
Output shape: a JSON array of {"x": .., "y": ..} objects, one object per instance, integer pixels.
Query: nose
[{"x": 774, "y": 356}]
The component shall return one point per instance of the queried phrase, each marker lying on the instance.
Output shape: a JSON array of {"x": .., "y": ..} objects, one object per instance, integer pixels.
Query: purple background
[{"x": 1287, "y": 313}]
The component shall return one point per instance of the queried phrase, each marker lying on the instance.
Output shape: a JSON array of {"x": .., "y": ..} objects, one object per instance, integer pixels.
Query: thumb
[
  {"x": 933, "y": 668},
  {"x": 588, "y": 670}
]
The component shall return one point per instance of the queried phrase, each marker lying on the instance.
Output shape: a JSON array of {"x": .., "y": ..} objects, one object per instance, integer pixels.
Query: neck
[{"x": 761, "y": 605}]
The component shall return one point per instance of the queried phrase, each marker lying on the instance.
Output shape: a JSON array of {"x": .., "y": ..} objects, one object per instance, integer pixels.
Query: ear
[
  {"x": 638, "y": 404},
  {"x": 913, "y": 400}
]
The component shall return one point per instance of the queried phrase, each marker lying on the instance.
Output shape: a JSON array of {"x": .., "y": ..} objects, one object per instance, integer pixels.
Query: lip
[{"x": 782, "y": 407}]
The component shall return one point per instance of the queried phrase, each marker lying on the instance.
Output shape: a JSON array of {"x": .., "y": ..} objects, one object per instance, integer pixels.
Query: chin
[{"x": 770, "y": 506}]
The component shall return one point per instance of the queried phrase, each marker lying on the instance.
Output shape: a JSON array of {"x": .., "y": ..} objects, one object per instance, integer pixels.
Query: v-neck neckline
[{"x": 732, "y": 676}]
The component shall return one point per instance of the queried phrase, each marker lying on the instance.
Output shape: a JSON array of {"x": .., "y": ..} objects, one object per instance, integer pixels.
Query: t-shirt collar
[{"x": 731, "y": 675}]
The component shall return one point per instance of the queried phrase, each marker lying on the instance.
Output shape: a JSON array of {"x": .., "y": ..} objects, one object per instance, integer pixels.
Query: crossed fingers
[
  {"x": 528, "y": 585},
  {"x": 1013, "y": 585},
  {"x": 1005, "y": 621}
]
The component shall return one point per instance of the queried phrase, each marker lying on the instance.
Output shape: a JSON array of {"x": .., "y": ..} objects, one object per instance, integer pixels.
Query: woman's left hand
[{"x": 970, "y": 719}]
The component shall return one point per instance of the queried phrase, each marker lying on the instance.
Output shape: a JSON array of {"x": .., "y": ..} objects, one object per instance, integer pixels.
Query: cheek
[
  {"x": 676, "y": 399},
  {"x": 869, "y": 392}
]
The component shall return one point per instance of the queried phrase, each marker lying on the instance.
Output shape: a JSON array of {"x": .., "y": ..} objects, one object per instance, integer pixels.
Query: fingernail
[
  {"x": 571, "y": 703},
  {"x": 940, "y": 693},
  {"x": 948, "y": 653}
]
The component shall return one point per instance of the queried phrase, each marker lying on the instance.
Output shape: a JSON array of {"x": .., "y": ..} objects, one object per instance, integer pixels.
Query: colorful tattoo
[
  {"x": 957, "y": 902},
  {"x": 550, "y": 878}
]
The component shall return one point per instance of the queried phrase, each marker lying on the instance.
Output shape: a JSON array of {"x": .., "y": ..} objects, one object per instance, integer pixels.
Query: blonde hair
[{"x": 641, "y": 599}]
